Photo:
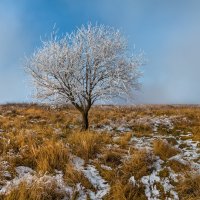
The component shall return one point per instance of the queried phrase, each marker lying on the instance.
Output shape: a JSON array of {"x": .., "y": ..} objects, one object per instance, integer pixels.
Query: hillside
[{"x": 139, "y": 152}]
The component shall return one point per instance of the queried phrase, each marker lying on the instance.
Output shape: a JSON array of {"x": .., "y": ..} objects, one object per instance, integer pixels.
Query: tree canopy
[{"x": 90, "y": 64}]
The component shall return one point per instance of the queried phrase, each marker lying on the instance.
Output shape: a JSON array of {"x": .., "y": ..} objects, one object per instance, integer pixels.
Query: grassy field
[{"x": 134, "y": 153}]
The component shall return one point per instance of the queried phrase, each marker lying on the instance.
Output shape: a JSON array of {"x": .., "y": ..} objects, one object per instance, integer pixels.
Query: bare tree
[{"x": 83, "y": 67}]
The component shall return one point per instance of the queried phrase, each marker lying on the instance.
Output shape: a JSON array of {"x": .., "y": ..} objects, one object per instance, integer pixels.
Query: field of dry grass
[{"x": 134, "y": 153}]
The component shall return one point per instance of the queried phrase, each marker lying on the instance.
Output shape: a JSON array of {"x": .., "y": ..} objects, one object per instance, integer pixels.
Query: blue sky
[{"x": 167, "y": 30}]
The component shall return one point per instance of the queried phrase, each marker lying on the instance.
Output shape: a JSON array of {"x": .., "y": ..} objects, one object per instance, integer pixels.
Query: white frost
[
  {"x": 106, "y": 167},
  {"x": 133, "y": 181},
  {"x": 26, "y": 174},
  {"x": 97, "y": 181},
  {"x": 94, "y": 178}
]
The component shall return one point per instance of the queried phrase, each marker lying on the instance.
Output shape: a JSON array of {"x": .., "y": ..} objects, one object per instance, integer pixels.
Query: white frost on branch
[{"x": 85, "y": 66}]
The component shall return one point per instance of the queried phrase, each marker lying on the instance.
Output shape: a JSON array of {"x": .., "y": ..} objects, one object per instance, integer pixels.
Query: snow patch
[
  {"x": 92, "y": 174},
  {"x": 106, "y": 167},
  {"x": 151, "y": 191},
  {"x": 133, "y": 181},
  {"x": 97, "y": 181},
  {"x": 22, "y": 171},
  {"x": 26, "y": 174}
]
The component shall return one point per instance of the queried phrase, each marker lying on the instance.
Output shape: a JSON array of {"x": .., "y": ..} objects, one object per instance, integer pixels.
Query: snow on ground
[
  {"x": 4, "y": 165},
  {"x": 161, "y": 121},
  {"x": 26, "y": 174},
  {"x": 1, "y": 131},
  {"x": 97, "y": 181},
  {"x": 106, "y": 167},
  {"x": 133, "y": 181},
  {"x": 22, "y": 171},
  {"x": 189, "y": 155},
  {"x": 92, "y": 174},
  {"x": 151, "y": 191},
  {"x": 113, "y": 127}
]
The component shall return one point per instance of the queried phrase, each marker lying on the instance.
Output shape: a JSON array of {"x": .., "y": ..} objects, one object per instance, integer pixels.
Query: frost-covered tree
[{"x": 81, "y": 68}]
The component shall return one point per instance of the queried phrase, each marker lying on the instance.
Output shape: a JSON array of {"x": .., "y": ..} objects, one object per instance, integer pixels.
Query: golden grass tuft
[
  {"x": 164, "y": 150},
  {"x": 126, "y": 191},
  {"x": 73, "y": 177},
  {"x": 44, "y": 157},
  {"x": 138, "y": 165},
  {"x": 51, "y": 155},
  {"x": 189, "y": 188},
  {"x": 124, "y": 139},
  {"x": 35, "y": 191},
  {"x": 87, "y": 144},
  {"x": 43, "y": 138},
  {"x": 177, "y": 166},
  {"x": 112, "y": 158},
  {"x": 108, "y": 175}
]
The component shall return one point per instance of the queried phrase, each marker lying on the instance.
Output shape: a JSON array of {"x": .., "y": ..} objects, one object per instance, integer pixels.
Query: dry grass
[
  {"x": 35, "y": 191},
  {"x": 163, "y": 149},
  {"x": 126, "y": 191},
  {"x": 138, "y": 165},
  {"x": 110, "y": 175},
  {"x": 44, "y": 138},
  {"x": 51, "y": 155},
  {"x": 87, "y": 144},
  {"x": 189, "y": 188},
  {"x": 124, "y": 139},
  {"x": 112, "y": 158},
  {"x": 73, "y": 177},
  {"x": 44, "y": 156},
  {"x": 177, "y": 166}
]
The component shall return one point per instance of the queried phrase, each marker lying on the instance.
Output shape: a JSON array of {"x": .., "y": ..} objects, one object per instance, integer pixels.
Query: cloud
[
  {"x": 13, "y": 44},
  {"x": 168, "y": 31}
]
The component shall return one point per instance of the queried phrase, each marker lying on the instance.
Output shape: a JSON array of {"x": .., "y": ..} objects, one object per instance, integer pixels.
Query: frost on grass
[
  {"x": 149, "y": 181},
  {"x": 97, "y": 181},
  {"x": 92, "y": 174},
  {"x": 161, "y": 121},
  {"x": 26, "y": 174},
  {"x": 123, "y": 129},
  {"x": 155, "y": 122},
  {"x": 132, "y": 181},
  {"x": 78, "y": 163},
  {"x": 106, "y": 167},
  {"x": 142, "y": 142},
  {"x": 4, "y": 173},
  {"x": 1, "y": 131},
  {"x": 113, "y": 127},
  {"x": 189, "y": 155},
  {"x": 22, "y": 171}
]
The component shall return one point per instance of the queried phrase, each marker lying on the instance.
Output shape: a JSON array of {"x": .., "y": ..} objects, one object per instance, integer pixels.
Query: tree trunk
[{"x": 85, "y": 123}]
